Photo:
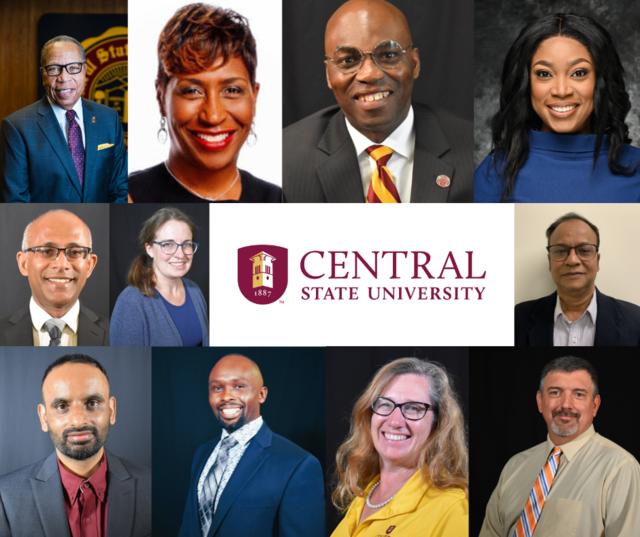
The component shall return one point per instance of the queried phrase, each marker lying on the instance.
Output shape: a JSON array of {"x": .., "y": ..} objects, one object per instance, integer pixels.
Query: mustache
[
  {"x": 86, "y": 429},
  {"x": 565, "y": 413}
]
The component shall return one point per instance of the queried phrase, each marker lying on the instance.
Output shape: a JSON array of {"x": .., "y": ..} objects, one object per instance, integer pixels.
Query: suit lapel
[
  {"x": 253, "y": 457},
  {"x": 121, "y": 497},
  {"x": 541, "y": 332},
  {"x": 91, "y": 138},
  {"x": 89, "y": 333},
  {"x": 607, "y": 322},
  {"x": 339, "y": 174},
  {"x": 51, "y": 129},
  {"x": 49, "y": 499},
  {"x": 20, "y": 331}
]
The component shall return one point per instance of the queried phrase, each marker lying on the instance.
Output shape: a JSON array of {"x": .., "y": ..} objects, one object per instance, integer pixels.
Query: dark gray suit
[
  {"x": 320, "y": 162},
  {"x": 32, "y": 501},
  {"x": 16, "y": 329}
]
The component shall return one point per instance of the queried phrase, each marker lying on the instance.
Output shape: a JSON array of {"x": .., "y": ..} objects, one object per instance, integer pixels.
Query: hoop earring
[
  {"x": 163, "y": 134},
  {"x": 252, "y": 139}
]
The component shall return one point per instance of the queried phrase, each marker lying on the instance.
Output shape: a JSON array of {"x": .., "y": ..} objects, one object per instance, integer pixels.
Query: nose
[
  {"x": 396, "y": 417},
  {"x": 572, "y": 258},
  {"x": 61, "y": 260},
  {"x": 561, "y": 86},
  {"x": 78, "y": 415},
  {"x": 213, "y": 111},
  {"x": 369, "y": 70}
]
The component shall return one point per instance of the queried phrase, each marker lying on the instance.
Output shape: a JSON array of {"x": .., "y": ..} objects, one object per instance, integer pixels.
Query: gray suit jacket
[
  {"x": 32, "y": 501},
  {"x": 320, "y": 162},
  {"x": 16, "y": 329}
]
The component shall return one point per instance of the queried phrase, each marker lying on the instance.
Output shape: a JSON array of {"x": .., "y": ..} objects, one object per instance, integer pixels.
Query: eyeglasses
[
  {"x": 171, "y": 247},
  {"x": 72, "y": 253},
  {"x": 560, "y": 252},
  {"x": 386, "y": 55},
  {"x": 54, "y": 69},
  {"x": 412, "y": 410}
]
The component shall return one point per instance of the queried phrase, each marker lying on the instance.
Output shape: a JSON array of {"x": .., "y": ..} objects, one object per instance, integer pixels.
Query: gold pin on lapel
[{"x": 93, "y": 119}]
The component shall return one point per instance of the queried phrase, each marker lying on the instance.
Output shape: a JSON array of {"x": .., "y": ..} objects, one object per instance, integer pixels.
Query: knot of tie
[
  {"x": 382, "y": 188},
  {"x": 54, "y": 327}
]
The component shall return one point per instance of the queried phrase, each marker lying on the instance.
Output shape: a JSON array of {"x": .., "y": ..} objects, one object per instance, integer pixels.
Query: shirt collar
[
  {"x": 245, "y": 433},
  {"x": 60, "y": 112},
  {"x": 40, "y": 316},
  {"x": 401, "y": 140},
  {"x": 72, "y": 482},
  {"x": 571, "y": 449},
  {"x": 592, "y": 309}
]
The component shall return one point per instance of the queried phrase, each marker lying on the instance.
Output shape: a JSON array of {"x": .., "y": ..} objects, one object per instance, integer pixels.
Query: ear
[
  {"x": 596, "y": 404},
  {"x": 598, "y": 263},
  {"x": 262, "y": 394},
  {"x": 549, "y": 262},
  {"x": 42, "y": 416},
  {"x": 415, "y": 56},
  {"x": 149, "y": 249},
  {"x": 112, "y": 410},
  {"x": 256, "y": 90},
  {"x": 160, "y": 91},
  {"x": 326, "y": 74},
  {"x": 539, "y": 400},
  {"x": 21, "y": 258},
  {"x": 92, "y": 261}
]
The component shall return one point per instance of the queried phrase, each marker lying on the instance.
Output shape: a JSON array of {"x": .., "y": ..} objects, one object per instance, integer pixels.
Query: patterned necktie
[
  {"x": 526, "y": 524},
  {"x": 74, "y": 139},
  {"x": 55, "y": 328},
  {"x": 382, "y": 189},
  {"x": 210, "y": 490}
]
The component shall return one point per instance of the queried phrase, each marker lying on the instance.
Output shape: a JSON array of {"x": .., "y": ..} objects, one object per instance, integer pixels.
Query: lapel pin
[
  {"x": 390, "y": 529},
  {"x": 443, "y": 181},
  {"x": 93, "y": 119}
]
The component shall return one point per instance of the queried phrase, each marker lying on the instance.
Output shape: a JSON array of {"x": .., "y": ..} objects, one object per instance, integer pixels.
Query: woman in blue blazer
[{"x": 160, "y": 307}]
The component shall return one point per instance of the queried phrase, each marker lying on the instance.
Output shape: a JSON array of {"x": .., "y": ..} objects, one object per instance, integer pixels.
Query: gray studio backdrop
[
  {"x": 15, "y": 289},
  {"x": 497, "y": 24},
  {"x": 22, "y": 442}
]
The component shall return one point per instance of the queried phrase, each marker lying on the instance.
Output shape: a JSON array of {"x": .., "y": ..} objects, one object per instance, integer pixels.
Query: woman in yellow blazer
[{"x": 403, "y": 469}]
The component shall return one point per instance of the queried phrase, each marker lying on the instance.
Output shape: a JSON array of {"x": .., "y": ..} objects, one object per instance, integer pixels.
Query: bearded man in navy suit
[
  {"x": 251, "y": 481},
  {"x": 63, "y": 148}
]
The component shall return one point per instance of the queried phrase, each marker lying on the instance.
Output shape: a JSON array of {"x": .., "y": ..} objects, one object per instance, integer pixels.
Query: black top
[{"x": 156, "y": 184}]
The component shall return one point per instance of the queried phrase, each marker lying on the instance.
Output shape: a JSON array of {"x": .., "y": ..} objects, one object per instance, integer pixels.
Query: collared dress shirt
[
  {"x": 41, "y": 337},
  {"x": 85, "y": 501},
  {"x": 578, "y": 333},
  {"x": 243, "y": 436},
  {"x": 402, "y": 140},
  {"x": 595, "y": 493},
  {"x": 61, "y": 118},
  {"x": 417, "y": 510}
]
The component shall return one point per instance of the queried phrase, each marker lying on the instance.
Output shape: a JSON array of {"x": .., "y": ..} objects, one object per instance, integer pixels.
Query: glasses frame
[
  {"x": 364, "y": 53},
  {"x": 65, "y": 67},
  {"x": 35, "y": 250},
  {"x": 401, "y": 407},
  {"x": 178, "y": 245},
  {"x": 574, "y": 248}
]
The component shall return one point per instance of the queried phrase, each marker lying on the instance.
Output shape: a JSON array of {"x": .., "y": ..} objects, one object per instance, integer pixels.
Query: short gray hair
[
  {"x": 57, "y": 39},
  {"x": 569, "y": 364}
]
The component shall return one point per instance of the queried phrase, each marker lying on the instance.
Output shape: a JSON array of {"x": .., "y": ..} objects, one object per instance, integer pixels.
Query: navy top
[
  {"x": 560, "y": 169},
  {"x": 186, "y": 321}
]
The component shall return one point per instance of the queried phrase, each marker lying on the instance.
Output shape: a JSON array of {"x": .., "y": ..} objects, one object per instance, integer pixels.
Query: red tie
[{"x": 382, "y": 189}]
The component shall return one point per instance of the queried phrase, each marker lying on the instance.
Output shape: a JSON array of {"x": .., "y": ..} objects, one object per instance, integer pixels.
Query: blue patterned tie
[{"x": 74, "y": 139}]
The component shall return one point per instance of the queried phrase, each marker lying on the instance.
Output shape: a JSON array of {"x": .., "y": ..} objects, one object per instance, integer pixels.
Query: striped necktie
[
  {"x": 382, "y": 189},
  {"x": 526, "y": 524}
]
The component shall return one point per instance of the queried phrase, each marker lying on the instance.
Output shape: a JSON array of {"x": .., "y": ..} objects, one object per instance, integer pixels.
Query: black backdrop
[
  {"x": 443, "y": 31},
  {"x": 504, "y": 418}
]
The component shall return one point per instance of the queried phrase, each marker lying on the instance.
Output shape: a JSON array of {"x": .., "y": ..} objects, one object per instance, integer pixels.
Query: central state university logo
[{"x": 262, "y": 272}]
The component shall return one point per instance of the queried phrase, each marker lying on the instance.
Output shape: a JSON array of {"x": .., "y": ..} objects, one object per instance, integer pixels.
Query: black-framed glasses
[
  {"x": 171, "y": 247},
  {"x": 72, "y": 253},
  {"x": 386, "y": 55},
  {"x": 411, "y": 410},
  {"x": 559, "y": 252},
  {"x": 54, "y": 69}
]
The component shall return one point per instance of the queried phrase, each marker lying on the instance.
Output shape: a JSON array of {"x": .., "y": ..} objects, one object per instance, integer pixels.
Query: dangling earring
[
  {"x": 253, "y": 137},
  {"x": 162, "y": 131}
]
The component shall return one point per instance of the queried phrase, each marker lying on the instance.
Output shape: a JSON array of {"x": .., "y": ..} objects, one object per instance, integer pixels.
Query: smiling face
[
  {"x": 64, "y": 89},
  {"x": 574, "y": 275},
  {"x": 209, "y": 116},
  {"x": 56, "y": 284},
  {"x": 563, "y": 80},
  {"x": 397, "y": 440},
  {"x": 77, "y": 410},
  {"x": 236, "y": 391},
  {"x": 170, "y": 266},
  {"x": 567, "y": 404},
  {"x": 375, "y": 101}
]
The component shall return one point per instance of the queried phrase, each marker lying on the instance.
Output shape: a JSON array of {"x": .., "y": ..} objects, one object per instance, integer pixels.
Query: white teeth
[
  {"x": 395, "y": 437},
  {"x": 59, "y": 280},
  {"x": 213, "y": 139},
  {"x": 375, "y": 96},
  {"x": 567, "y": 108},
  {"x": 230, "y": 412}
]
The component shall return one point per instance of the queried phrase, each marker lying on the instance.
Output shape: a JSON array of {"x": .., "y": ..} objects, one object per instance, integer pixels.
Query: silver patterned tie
[
  {"x": 54, "y": 327},
  {"x": 210, "y": 490}
]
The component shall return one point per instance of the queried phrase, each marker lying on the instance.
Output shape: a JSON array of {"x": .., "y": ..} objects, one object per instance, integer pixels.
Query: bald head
[
  {"x": 236, "y": 391},
  {"x": 55, "y": 218}
]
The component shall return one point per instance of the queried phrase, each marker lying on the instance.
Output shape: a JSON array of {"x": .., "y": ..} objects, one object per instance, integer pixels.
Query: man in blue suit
[
  {"x": 252, "y": 481},
  {"x": 63, "y": 148}
]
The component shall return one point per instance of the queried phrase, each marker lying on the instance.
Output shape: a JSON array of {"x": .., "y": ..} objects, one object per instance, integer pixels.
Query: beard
[
  {"x": 230, "y": 427},
  {"x": 79, "y": 451},
  {"x": 565, "y": 430}
]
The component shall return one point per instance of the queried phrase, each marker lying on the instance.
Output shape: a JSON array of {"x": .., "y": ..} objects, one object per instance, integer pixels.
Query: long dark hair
[{"x": 516, "y": 116}]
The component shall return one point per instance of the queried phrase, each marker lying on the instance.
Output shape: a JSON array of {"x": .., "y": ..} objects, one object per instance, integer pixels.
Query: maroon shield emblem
[{"x": 262, "y": 272}]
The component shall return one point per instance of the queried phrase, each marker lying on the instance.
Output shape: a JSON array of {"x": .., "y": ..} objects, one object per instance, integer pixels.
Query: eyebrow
[
  {"x": 571, "y": 63},
  {"x": 224, "y": 80}
]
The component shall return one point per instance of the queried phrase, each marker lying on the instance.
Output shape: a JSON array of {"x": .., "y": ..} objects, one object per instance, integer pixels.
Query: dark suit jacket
[
  {"x": 320, "y": 162},
  {"x": 16, "y": 329},
  {"x": 32, "y": 501},
  {"x": 275, "y": 491},
  {"x": 617, "y": 322},
  {"x": 36, "y": 162}
]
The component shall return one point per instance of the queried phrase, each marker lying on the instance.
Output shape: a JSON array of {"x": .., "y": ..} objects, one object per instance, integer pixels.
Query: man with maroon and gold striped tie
[{"x": 577, "y": 482}]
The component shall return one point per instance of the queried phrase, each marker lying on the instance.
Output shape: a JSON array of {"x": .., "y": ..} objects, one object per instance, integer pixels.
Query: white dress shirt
[
  {"x": 578, "y": 333},
  {"x": 61, "y": 117},
  {"x": 39, "y": 317}
]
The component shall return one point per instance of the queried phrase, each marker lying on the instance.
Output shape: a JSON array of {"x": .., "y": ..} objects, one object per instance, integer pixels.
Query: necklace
[
  {"x": 233, "y": 183},
  {"x": 376, "y": 505}
]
